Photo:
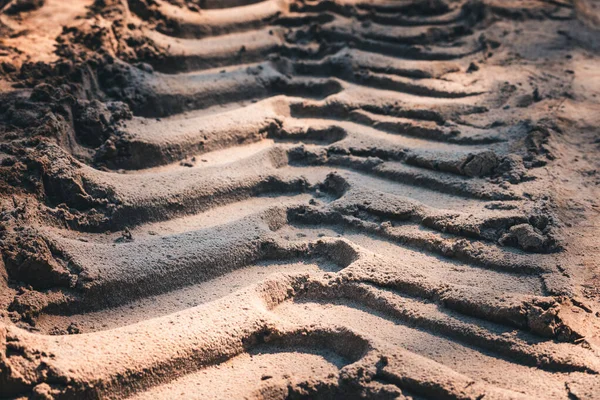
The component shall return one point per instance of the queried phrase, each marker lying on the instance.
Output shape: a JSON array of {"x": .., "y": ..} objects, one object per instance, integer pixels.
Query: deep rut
[{"x": 313, "y": 199}]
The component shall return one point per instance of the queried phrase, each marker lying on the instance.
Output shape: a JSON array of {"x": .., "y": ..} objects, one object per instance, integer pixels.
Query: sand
[{"x": 287, "y": 199}]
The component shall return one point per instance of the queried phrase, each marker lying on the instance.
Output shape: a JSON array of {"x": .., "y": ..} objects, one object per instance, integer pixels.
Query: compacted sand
[{"x": 300, "y": 199}]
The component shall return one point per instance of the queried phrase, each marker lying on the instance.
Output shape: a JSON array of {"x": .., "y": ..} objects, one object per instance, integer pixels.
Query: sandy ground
[{"x": 281, "y": 199}]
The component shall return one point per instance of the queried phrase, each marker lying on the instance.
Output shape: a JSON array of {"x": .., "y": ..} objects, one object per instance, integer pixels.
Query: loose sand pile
[{"x": 300, "y": 199}]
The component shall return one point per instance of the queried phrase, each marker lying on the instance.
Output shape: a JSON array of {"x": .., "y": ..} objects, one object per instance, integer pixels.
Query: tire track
[{"x": 309, "y": 196}]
